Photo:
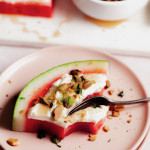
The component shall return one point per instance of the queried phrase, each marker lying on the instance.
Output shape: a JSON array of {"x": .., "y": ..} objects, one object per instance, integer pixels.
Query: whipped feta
[{"x": 90, "y": 114}]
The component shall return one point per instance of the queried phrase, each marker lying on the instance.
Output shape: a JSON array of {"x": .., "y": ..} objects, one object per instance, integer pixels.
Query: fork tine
[
  {"x": 98, "y": 100},
  {"x": 82, "y": 105}
]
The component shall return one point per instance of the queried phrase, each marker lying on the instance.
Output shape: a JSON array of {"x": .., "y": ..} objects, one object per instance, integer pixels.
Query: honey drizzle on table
[
  {"x": 103, "y": 23},
  {"x": 15, "y": 20},
  {"x": 57, "y": 33}
]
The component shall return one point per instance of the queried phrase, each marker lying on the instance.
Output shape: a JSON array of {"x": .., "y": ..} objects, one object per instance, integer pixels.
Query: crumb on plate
[{"x": 13, "y": 142}]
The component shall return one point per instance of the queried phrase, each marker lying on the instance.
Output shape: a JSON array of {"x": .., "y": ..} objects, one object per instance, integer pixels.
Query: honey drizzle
[
  {"x": 14, "y": 19},
  {"x": 57, "y": 33},
  {"x": 102, "y": 23}
]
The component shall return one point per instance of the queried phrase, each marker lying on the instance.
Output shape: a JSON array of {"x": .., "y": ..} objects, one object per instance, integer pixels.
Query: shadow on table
[{"x": 7, "y": 113}]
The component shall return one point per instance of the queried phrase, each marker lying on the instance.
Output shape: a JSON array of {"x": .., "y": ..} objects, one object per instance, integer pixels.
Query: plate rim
[{"x": 139, "y": 144}]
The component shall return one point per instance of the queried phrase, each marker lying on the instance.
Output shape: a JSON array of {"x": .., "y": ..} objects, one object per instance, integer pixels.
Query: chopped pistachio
[
  {"x": 115, "y": 114},
  {"x": 66, "y": 94},
  {"x": 75, "y": 72},
  {"x": 61, "y": 99},
  {"x": 92, "y": 137},
  {"x": 129, "y": 121},
  {"x": 44, "y": 101},
  {"x": 63, "y": 87},
  {"x": 83, "y": 79},
  {"x": 79, "y": 91},
  {"x": 107, "y": 84},
  {"x": 50, "y": 100},
  {"x": 70, "y": 90},
  {"x": 87, "y": 84},
  {"x": 110, "y": 92},
  {"x": 51, "y": 105},
  {"x": 72, "y": 79},
  {"x": 80, "y": 86},
  {"x": 75, "y": 86},
  {"x": 119, "y": 108},
  {"x": 106, "y": 128},
  {"x": 68, "y": 101},
  {"x": 57, "y": 112},
  {"x": 77, "y": 78},
  {"x": 52, "y": 93}
]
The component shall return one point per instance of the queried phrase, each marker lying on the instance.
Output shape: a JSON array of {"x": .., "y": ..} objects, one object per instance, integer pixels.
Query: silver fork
[{"x": 102, "y": 100}]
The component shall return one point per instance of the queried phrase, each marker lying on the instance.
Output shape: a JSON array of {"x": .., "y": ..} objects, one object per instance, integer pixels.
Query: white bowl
[{"x": 109, "y": 10}]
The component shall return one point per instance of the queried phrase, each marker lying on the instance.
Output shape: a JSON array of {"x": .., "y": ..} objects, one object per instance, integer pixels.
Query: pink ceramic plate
[{"x": 122, "y": 135}]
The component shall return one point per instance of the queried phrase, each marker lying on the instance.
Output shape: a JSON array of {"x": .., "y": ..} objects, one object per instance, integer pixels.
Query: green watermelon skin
[{"x": 44, "y": 81}]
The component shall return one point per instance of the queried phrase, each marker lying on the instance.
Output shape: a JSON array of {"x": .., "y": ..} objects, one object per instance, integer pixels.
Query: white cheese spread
[{"x": 90, "y": 114}]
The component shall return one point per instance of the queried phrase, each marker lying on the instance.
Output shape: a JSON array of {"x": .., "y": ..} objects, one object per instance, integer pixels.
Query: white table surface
[
  {"x": 139, "y": 65},
  {"x": 70, "y": 26}
]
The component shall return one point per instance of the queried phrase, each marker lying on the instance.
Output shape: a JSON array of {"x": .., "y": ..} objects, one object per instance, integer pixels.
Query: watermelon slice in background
[
  {"x": 40, "y": 85},
  {"x": 28, "y": 8}
]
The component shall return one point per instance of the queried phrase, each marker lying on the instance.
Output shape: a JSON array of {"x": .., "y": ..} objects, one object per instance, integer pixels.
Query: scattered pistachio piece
[
  {"x": 92, "y": 137},
  {"x": 75, "y": 86},
  {"x": 109, "y": 116},
  {"x": 13, "y": 142},
  {"x": 110, "y": 92},
  {"x": 107, "y": 84},
  {"x": 130, "y": 116},
  {"x": 129, "y": 121},
  {"x": 21, "y": 112},
  {"x": 9, "y": 81},
  {"x": 119, "y": 108},
  {"x": 115, "y": 114},
  {"x": 106, "y": 128},
  {"x": 66, "y": 94}
]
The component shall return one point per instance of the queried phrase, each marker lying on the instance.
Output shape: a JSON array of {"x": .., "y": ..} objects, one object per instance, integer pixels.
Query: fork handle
[{"x": 131, "y": 102}]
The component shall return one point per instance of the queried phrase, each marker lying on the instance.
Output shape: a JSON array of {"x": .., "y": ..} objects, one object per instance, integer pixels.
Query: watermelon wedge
[{"x": 39, "y": 87}]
